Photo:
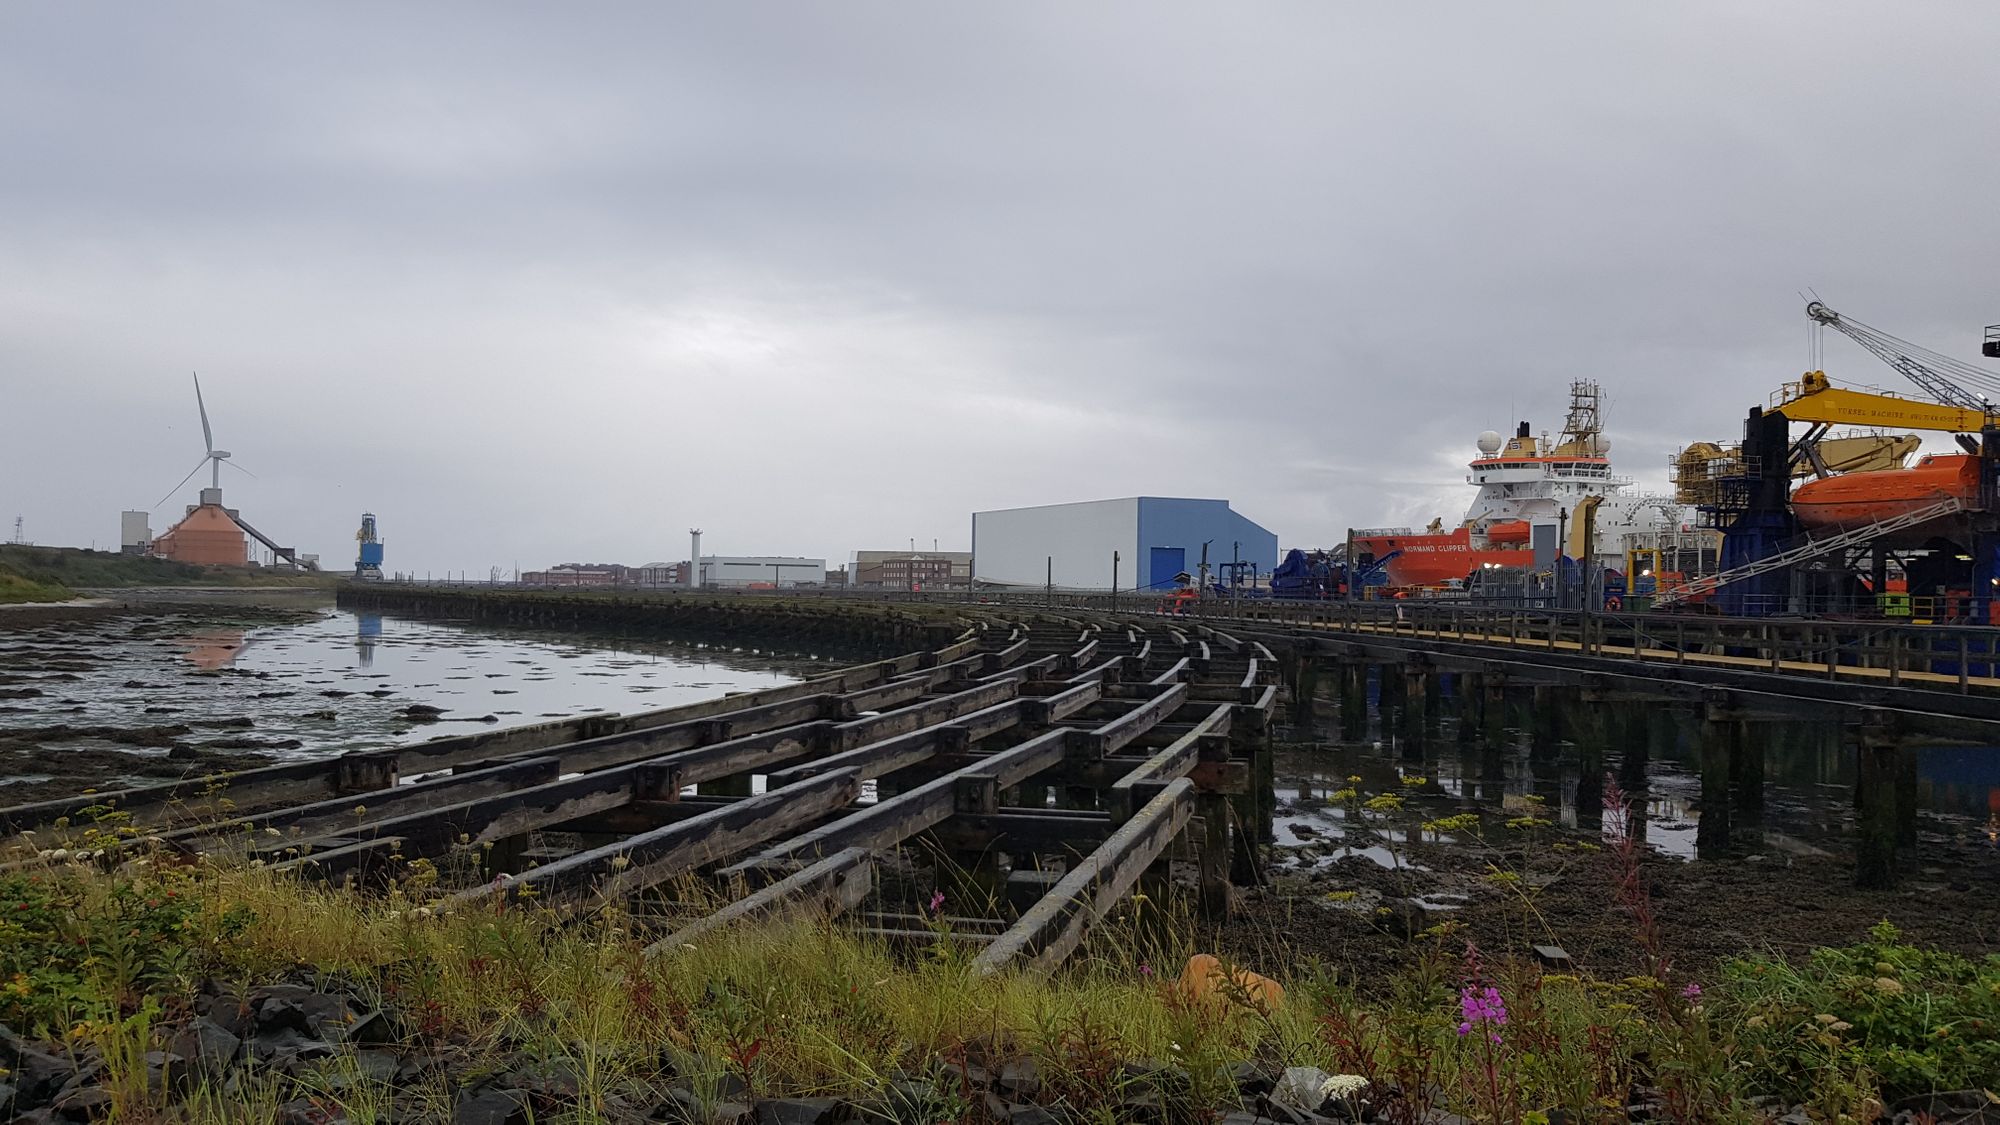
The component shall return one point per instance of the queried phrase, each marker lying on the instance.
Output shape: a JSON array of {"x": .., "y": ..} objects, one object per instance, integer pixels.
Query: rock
[
  {"x": 1554, "y": 956},
  {"x": 1031, "y": 1115},
  {"x": 309, "y": 1111},
  {"x": 961, "y": 1076},
  {"x": 1301, "y": 1088},
  {"x": 683, "y": 1107},
  {"x": 84, "y": 1104},
  {"x": 798, "y": 1111},
  {"x": 35, "y": 1074},
  {"x": 1250, "y": 1079},
  {"x": 299, "y": 1008},
  {"x": 1019, "y": 1080},
  {"x": 284, "y": 1047},
  {"x": 376, "y": 1029},
  {"x": 378, "y": 1067},
  {"x": 422, "y": 713},
  {"x": 1402, "y": 917},
  {"x": 1954, "y": 1107},
  {"x": 492, "y": 1107},
  {"x": 1156, "y": 1075}
]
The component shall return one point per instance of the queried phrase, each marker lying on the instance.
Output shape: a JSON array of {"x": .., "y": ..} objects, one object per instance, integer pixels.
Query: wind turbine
[{"x": 213, "y": 458}]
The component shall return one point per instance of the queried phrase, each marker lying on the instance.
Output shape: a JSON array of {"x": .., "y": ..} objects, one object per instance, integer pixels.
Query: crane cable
[{"x": 1950, "y": 381}]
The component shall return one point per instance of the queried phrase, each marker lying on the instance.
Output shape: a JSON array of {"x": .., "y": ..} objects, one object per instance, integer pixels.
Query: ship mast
[{"x": 1583, "y": 430}]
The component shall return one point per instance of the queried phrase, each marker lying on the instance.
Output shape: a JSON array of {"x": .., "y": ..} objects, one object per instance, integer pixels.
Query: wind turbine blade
[
  {"x": 207, "y": 439},
  {"x": 239, "y": 468},
  {"x": 170, "y": 492}
]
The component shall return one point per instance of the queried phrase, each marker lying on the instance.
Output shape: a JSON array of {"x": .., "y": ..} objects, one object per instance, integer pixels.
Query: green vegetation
[
  {"x": 114, "y": 962},
  {"x": 72, "y": 568},
  {"x": 16, "y": 587}
]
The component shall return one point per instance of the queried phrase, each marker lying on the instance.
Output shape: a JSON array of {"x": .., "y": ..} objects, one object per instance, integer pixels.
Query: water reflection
[
  {"x": 213, "y": 649},
  {"x": 1789, "y": 789},
  {"x": 367, "y": 631}
]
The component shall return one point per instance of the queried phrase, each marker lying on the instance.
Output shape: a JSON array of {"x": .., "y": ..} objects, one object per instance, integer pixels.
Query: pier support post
[
  {"x": 1469, "y": 697},
  {"x": 1353, "y": 700},
  {"x": 1746, "y": 771},
  {"x": 1719, "y": 742},
  {"x": 1877, "y": 803},
  {"x": 1415, "y": 717},
  {"x": 1212, "y": 862},
  {"x": 1545, "y": 724},
  {"x": 1304, "y": 687},
  {"x": 1493, "y": 714},
  {"x": 1389, "y": 700}
]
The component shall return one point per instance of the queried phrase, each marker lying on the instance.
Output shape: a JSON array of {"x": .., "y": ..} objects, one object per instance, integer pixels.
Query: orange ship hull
[
  {"x": 1433, "y": 560},
  {"x": 1856, "y": 499}
]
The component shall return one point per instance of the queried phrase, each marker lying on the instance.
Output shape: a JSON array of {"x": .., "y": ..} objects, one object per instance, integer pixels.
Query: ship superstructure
[{"x": 1527, "y": 482}]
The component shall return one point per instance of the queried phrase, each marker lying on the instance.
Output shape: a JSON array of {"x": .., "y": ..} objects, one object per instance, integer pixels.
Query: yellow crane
[{"x": 1816, "y": 401}]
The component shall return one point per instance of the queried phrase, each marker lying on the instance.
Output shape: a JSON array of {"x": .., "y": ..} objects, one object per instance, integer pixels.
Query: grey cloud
[{"x": 535, "y": 286}]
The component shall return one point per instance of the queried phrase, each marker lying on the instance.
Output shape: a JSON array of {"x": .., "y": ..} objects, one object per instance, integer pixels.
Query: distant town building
[
  {"x": 1153, "y": 539},
  {"x": 752, "y": 572},
  {"x": 911, "y": 570},
  {"x": 717, "y": 571},
  {"x": 578, "y": 574},
  {"x": 661, "y": 574}
]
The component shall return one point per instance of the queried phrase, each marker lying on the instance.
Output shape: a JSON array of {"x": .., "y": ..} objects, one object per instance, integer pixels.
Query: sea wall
[{"x": 847, "y": 627}]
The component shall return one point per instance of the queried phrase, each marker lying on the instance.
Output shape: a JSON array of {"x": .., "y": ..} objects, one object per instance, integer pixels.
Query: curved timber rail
[{"x": 1060, "y": 755}]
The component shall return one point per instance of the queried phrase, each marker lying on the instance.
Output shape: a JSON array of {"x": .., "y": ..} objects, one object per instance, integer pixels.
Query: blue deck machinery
[
  {"x": 1322, "y": 575},
  {"x": 368, "y": 559}
]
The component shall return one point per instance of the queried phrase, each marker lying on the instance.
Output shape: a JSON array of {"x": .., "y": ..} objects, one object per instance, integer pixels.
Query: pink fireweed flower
[
  {"x": 1481, "y": 1009},
  {"x": 1691, "y": 992},
  {"x": 1145, "y": 970},
  {"x": 937, "y": 901}
]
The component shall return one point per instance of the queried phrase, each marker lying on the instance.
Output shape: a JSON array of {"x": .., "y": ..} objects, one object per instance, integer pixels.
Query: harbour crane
[{"x": 1758, "y": 550}]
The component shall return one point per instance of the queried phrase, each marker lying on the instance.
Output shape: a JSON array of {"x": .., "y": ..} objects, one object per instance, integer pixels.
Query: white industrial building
[
  {"x": 740, "y": 571},
  {"x": 1154, "y": 538},
  {"x": 135, "y": 532}
]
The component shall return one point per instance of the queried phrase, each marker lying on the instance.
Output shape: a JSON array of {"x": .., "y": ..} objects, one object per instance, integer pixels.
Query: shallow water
[
  {"x": 340, "y": 681},
  {"x": 1808, "y": 788}
]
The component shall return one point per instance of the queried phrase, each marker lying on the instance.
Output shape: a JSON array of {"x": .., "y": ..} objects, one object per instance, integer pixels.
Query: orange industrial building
[{"x": 208, "y": 536}]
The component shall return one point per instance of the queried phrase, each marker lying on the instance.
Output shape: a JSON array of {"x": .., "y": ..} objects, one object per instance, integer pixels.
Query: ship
[{"x": 1525, "y": 483}]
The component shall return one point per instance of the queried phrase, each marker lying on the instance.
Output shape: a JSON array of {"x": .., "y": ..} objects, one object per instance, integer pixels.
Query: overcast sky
[{"x": 536, "y": 286}]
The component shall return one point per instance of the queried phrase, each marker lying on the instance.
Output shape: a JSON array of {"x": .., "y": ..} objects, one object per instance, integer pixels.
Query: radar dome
[
  {"x": 1489, "y": 443},
  {"x": 1600, "y": 446}
]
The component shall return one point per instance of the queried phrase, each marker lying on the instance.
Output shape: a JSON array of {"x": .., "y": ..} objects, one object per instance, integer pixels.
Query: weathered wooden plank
[
  {"x": 1174, "y": 672},
  {"x": 337, "y": 814},
  {"x": 897, "y": 819},
  {"x": 359, "y": 857},
  {"x": 836, "y": 884},
  {"x": 847, "y": 736},
  {"x": 1023, "y": 832},
  {"x": 651, "y": 858},
  {"x": 1108, "y": 738},
  {"x": 1051, "y": 929},
  {"x": 1136, "y": 788},
  {"x": 752, "y": 754}
]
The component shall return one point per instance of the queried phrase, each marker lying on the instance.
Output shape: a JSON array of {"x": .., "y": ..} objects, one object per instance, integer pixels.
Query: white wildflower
[{"x": 1343, "y": 1086}]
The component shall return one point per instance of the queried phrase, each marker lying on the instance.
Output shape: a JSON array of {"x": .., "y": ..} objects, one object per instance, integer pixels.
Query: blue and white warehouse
[{"x": 1155, "y": 538}]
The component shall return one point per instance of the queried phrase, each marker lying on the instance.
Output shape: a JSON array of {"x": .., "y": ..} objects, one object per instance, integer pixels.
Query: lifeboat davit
[{"x": 1856, "y": 499}]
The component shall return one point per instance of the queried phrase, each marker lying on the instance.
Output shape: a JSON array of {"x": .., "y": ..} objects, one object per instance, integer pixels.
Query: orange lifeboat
[
  {"x": 1511, "y": 534},
  {"x": 1855, "y": 499}
]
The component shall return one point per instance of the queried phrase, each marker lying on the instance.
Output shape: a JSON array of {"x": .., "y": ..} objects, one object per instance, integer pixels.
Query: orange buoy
[{"x": 1206, "y": 979}]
